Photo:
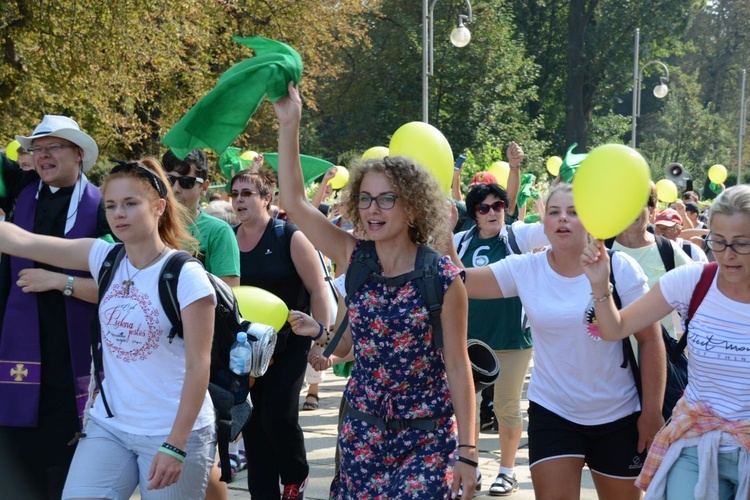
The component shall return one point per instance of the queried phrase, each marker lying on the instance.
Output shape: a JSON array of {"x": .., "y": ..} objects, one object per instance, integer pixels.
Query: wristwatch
[{"x": 68, "y": 291}]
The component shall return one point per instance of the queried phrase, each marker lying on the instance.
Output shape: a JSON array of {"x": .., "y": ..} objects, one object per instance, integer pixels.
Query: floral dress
[{"x": 398, "y": 374}]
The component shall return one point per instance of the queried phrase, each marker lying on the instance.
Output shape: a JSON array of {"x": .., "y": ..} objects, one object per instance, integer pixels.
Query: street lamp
[
  {"x": 660, "y": 91},
  {"x": 743, "y": 117},
  {"x": 460, "y": 37}
]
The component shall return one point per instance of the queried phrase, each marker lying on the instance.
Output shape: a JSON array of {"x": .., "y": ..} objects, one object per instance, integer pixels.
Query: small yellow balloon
[
  {"x": 717, "y": 173},
  {"x": 340, "y": 179},
  {"x": 248, "y": 155},
  {"x": 428, "y": 147},
  {"x": 610, "y": 189},
  {"x": 11, "y": 150},
  {"x": 261, "y": 306},
  {"x": 501, "y": 170},
  {"x": 375, "y": 153},
  {"x": 553, "y": 165},
  {"x": 666, "y": 191}
]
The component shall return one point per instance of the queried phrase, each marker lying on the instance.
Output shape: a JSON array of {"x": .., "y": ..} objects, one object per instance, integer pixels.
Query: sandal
[
  {"x": 311, "y": 405},
  {"x": 504, "y": 485}
]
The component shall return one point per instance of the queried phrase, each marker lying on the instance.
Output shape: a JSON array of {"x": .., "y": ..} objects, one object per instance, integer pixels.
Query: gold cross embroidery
[{"x": 19, "y": 372}]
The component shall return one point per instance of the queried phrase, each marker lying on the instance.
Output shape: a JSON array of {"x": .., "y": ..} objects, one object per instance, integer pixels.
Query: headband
[{"x": 152, "y": 178}]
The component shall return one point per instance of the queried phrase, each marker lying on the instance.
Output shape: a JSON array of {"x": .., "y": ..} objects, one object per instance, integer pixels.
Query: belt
[{"x": 424, "y": 424}]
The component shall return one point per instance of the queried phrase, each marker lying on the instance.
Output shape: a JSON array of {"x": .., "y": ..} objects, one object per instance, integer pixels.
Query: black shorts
[{"x": 609, "y": 449}]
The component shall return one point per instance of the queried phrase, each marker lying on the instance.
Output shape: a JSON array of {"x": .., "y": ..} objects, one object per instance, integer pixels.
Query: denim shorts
[{"x": 110, "y": 463}]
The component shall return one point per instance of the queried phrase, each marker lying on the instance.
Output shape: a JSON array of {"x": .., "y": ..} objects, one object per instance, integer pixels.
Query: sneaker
[
  {"x": 504, "y": 485},
  {"x": 294, "y": 491}
]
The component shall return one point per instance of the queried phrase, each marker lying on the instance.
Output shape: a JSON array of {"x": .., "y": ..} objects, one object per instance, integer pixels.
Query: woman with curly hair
[{"x": 399, "y": 439}]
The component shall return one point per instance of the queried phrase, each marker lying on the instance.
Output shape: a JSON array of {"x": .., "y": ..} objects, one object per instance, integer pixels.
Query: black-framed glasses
[
  {"x": 186, "y": 182},
  {"x": 385, "y": 201},
  {"x": 740, "y": 248},
  {"x": 245, "y": 193},
  {"x": 484, "y": 208},
  {"x": 51, "y": 149}
]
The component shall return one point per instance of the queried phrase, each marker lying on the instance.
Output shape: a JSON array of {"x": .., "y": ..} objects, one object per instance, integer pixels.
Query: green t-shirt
[
  {"x": 218, "y": 245},
  {"x": 497, "y": 322}
]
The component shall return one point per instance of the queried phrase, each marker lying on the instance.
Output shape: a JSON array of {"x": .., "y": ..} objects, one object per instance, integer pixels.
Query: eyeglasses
[
  {"x": 245, "y": 193},
  {"x": 385, "y": 201},
  {"x": 186, "y": 182},
  {"x": 51, "y": 149},
  {"x": 720, "y": 246},
  {"x": 484, "y": 209}
]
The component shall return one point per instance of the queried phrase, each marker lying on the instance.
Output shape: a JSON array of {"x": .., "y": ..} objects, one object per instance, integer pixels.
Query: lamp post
[
  {"x": 743, "y": 117},
  {"x": 460, "y": 37},
  {"x": 660, "y": 91}
]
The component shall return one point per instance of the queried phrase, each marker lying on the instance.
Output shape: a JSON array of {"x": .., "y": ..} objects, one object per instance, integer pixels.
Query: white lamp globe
[
  {"x": 460, "y": 36},
  {"x": 660, "y": 91}
]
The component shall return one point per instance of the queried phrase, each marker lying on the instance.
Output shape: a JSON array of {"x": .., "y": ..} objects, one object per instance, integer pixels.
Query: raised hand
[
  {"x": 289, "y": 108},
  {"x": 595, "y": 263}
]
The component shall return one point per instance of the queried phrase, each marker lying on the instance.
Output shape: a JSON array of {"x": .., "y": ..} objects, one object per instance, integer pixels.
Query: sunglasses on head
[
  {"x": 186, "y": 182},
  {"x": 484, "y": 209}
]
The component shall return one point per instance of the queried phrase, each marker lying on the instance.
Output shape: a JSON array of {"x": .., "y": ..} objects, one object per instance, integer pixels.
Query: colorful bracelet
[
  {"x": 605, "y": 297},
  {"x": 320, "y": 333},
  {"x": 467, "y": 461},
  {"x": 172, "y": 451},
  {"x": 328, "y": 339}
]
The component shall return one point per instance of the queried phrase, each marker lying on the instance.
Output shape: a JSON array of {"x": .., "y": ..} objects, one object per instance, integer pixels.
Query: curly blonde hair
[{"x": 424, "y": 204}]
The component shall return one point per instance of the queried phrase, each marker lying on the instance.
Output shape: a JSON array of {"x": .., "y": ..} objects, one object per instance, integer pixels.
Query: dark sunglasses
[
  {"x": 245, "y": 193},
  {"x": 186, "y": 182},
  {"x": 134, "y": 167},
  {"x": 484, "y": 209}
]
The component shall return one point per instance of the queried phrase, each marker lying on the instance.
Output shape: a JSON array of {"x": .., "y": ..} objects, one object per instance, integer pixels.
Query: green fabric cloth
[
  {"x": 343, "y": 369},
  {"x": 217, "y": 119},
  {"x": 570, "y": 164},
  {"x": 230, "y": 162},
  {"x": 218, "y": 245},
  {"x": 312, "y": 167},
  {"x": 526, "y": 190}
]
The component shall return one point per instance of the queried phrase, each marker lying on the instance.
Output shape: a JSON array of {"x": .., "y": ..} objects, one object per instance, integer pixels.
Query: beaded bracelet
[
  {"x": 467, "y": 461},
  {"x": 173, "y": 451},
  {"x": 328, "y": 338},
  {"x": 605, "y": 297},
  {"x": 320, "y": 333}
]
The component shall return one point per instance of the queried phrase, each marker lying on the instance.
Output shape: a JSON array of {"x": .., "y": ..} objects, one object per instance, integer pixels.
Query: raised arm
[
  {"x": 60, "y": 252},
  {"x": 515, "y": 157},
  {"x": 334, "y": 242},
  {"x": 323, "y": 189}
]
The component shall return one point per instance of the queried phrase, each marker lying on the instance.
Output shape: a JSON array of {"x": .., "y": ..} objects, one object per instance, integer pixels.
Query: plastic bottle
[{"x": 240, "y": 356}]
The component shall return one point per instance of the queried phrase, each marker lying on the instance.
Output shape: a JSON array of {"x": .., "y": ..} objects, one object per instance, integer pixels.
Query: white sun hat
[{"x": 64, "y": 128}]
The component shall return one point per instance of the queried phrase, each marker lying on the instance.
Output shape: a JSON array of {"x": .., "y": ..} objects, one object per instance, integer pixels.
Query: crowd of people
[{"x": 409, "y": 418}]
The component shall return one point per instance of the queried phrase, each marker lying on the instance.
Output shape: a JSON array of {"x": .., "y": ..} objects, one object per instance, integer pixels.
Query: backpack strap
[
  {"x": 512, "y": 241},
  {"x": 666, "y": 251},
  {"x": 431, "y": 290},
  {"x": 687, "y": 248},
  {"x": 104, "y": 280},
  {"x": 609, "y": 242},
  {"x": 701, "y": 289},
  {"x": 465, "y": 238},
  {"x": 168, "y": 280}
]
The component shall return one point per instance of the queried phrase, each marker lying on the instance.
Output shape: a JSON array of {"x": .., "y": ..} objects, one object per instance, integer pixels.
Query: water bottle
[{"x": 240, "y": 357}]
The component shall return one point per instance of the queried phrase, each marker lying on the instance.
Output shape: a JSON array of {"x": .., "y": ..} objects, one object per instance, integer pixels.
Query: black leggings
[{"x": 274, "y": 441}]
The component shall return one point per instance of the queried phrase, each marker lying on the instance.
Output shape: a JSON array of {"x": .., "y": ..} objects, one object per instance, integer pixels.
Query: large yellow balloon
[
  {"x": 501, "y": 170},
  {"x": 717, "y": 173},
  {"x": 610, "y": 188},
  {"x": 261, "y": 306},
  {"x": 666, "y": 191},
  {"x": 340, "y": 179},
  {"x": 553, "y": 165},
  {"x": 427, "y": 146},
  {"x": 249, "y": 155},
  {"x": 375, "y": 153},
  {"x": 11, "y": 150}
]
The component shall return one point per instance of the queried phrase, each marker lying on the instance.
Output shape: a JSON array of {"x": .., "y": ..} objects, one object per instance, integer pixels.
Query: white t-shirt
[
  {"x": 718, "y": 344},
  {"x": 576, "y": 374},
  {"x": 143, "y": 372}
]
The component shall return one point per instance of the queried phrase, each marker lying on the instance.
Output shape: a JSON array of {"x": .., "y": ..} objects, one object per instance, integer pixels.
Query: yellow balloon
[
  {"x": 340, "y": 179},
  {"x": 375, "y": 153},
  {"x": 11, "y": 150},
  {"x": 666, "y": 191},
  {"x": 610, "y": 188},
  {"x": 261, "y": 306},
  {"x": 427, "y": 146},
  {"x": 248, "y": 155},
  {"x": 501, "y": 170},
  {"x": 553, "y": 165},
  {"x": 717, "y": 173}
]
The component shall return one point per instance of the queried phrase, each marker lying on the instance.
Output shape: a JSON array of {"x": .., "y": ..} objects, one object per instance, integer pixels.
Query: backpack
[
  {"x": 365, "y": 266},
  {"x": 229, "y": 391},
  {"x": 514, "y": 248}
]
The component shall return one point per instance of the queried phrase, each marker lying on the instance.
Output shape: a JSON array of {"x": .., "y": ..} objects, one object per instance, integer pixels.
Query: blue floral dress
[{"x": 398, "y": 374}]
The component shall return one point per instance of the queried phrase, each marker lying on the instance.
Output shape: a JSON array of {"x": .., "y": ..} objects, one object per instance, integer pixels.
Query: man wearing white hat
[{"x": 46, "y": 312}]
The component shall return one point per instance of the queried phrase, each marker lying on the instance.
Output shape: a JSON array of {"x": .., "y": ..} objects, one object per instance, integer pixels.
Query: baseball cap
[
  {"x": 668, "y": 217},
  {"x": 483, "y": 177}
]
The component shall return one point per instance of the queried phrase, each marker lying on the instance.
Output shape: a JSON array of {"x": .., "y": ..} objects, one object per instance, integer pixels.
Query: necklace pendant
[{"x": 128, "y": 282}]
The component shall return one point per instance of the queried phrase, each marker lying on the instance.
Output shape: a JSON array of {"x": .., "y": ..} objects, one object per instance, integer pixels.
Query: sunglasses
[
  {"x": 245, "y": 193},
  {"x": 484, "y": 209},
  {"x": 186, "y": 182},
  {"x": 385, "y": 201}
]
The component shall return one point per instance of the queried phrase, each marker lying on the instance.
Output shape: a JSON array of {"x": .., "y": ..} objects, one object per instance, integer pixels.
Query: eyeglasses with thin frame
[
  {"x": 484, "y": 208},
  {"x": 51, "y": 148},
  {"x": 245, "y": 193},
  {"x": 186, "y": 182},
  {"x": 740, "y": 248},
  {"x": 385, "y": 201}
]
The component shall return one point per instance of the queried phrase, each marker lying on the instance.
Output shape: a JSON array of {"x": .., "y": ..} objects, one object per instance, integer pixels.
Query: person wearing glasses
[
  {"x": 277, "y": 257},
  {"x": 152, "y": 424},
  {"x": 46, "y": 310},
  {"x": 704, "y": 450},
  {"x": 400, "y": 438},
  {"x": 498, "y": 322}
]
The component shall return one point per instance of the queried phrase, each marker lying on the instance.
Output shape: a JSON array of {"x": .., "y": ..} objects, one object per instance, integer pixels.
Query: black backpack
[
  {"x": 365, "y": 266},
  {"x": 228, "y": 390}
]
